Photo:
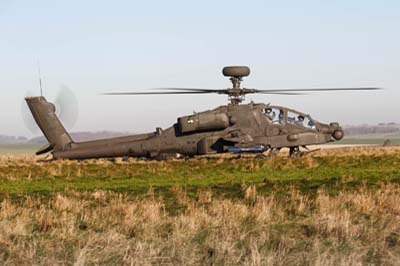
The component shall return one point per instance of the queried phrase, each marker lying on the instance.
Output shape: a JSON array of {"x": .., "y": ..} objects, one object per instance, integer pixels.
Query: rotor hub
[{"x": 236, "y": 94}]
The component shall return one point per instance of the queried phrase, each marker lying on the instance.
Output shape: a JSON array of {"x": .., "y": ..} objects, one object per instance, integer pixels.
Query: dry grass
[{"x": 106, "y": 228}]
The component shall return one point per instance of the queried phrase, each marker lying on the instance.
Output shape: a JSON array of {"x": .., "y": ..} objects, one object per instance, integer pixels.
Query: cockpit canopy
[{"x": 279, "y": 116}]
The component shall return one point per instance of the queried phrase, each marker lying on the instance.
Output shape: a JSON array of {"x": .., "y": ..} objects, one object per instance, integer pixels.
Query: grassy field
[
  {"x": 333, "y": 207},
  {"x": 375, "y": 139},
  {"x": 19, "y": 149},
  {"x": 370, "y": 141}
]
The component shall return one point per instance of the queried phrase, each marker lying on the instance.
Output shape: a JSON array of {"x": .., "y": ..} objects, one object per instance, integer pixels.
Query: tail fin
[{"x": 44, "y": 114}]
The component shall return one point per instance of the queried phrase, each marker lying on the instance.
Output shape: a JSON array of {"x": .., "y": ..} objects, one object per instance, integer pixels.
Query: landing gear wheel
[{"x": 295, "y": 152}]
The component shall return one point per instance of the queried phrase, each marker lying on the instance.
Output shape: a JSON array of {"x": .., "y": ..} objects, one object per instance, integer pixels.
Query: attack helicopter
[{"x": 236, "y": 127}]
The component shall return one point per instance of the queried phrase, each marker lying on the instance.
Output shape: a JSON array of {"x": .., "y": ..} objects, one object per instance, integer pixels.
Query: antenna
[{"x": 40, "y": 79}]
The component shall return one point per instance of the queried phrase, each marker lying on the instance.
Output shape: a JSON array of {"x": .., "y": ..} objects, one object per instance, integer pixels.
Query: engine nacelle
[{"x": 203, "y": 122}]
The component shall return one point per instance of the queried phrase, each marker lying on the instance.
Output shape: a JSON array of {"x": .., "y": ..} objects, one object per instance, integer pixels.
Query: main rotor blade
[
  {"x": 320, "y": 89},
  {"x": 156, "y": 93},
  {"x": 176, "y": 91},
  {"x": 283, "y": 93},
  {"x": 188, "y": 89}
]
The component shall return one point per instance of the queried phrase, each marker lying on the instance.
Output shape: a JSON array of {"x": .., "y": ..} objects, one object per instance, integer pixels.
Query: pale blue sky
[{"x": 99, "y": 46}]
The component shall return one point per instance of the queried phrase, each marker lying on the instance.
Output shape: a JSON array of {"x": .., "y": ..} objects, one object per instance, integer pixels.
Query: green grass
[{"x": 224, "y": 176}]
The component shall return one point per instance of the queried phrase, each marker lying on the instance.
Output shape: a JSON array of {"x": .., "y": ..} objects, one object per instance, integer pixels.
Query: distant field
[
  {"x": 376, "y": 139},
  {"x": 19, "y": 149},
  {"x": 333, "y": 207},
  {"x": 372, "y": 141}
]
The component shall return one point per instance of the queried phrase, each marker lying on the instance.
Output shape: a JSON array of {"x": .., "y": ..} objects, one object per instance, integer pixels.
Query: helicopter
[{"x": 233, "y": 128}]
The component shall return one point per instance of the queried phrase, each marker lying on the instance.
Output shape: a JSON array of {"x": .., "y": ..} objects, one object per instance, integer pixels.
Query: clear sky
[{"x": 105, "y": 46}]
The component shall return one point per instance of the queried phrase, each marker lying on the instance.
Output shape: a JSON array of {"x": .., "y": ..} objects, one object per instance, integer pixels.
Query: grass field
[
  {"x": 333, "y": 207},
  {"x": 19, "y": 149},
  {"x": 375, "y": 139}
]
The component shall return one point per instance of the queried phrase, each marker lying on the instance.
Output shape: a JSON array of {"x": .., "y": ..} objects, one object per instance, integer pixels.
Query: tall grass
[
  {"x": 108, "y": 228},
  {"x": 330, "y": 208}
]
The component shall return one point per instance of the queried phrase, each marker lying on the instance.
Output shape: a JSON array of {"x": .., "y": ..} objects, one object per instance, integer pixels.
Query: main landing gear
[{"x": 294, "y": 152}]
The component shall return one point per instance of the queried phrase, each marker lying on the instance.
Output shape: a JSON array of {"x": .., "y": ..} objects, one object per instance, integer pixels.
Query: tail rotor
[{"x": 67, "y": 109}]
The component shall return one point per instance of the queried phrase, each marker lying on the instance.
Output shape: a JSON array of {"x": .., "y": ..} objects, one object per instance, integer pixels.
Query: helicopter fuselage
[{"x": 245, "y": 127}]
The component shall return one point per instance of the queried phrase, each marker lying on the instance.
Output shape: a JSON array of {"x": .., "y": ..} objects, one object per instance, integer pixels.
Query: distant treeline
[
  {"x": 12, "y": 139},
  {"x": 372, "y": 129}
]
